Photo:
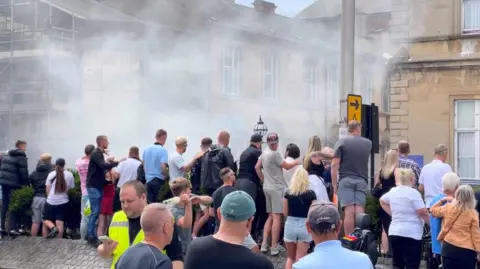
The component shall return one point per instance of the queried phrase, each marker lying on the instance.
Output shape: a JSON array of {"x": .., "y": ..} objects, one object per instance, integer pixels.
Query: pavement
[{"x": 37, "y": 253}]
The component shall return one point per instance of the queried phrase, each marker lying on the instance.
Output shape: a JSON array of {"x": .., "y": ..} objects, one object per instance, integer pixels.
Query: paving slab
[{"x": 37, "y": 253}]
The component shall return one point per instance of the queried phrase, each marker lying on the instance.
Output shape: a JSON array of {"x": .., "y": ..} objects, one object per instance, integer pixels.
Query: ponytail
[{"x": 60, "y": 184}]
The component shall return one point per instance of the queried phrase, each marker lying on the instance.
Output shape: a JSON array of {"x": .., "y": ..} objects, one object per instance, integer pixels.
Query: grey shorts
[
  {"x": 352, "y": 191},
  {"x": 274, "y": 200},
  {"x": 38, "y": 205}
]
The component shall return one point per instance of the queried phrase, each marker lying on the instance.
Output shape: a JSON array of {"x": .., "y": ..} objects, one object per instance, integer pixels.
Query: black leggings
[{"x": 407, "y": 252}]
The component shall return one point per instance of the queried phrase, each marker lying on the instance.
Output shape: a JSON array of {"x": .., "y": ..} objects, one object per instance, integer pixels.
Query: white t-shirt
[
  {"x": 176, "y": 166},
  {"x": 127, "y": 170},
  {"x": 58, "y": 198},
  {"x": 317, "y": 186},
  {"x": 404, "y": 201},
  {"x": 431, "y": 178},
  {"x": 287, "y": 174}
]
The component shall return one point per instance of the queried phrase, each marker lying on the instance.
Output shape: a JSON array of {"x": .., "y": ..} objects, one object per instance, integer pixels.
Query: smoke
[{"x": 126, "y": 80}]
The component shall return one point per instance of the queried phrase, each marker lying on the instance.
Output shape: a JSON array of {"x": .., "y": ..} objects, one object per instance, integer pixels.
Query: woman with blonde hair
[
  {"x": 405, "y": 204},
  {"x": 460, "y": 233},
  {"x": 313, "y": 163},
  {"x": 384, "y": 182},
  {"x": 296, "y": 202}
]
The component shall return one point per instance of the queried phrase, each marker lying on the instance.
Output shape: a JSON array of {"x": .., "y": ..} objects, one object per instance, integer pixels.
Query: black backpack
[{"x": 212, "y": 163}]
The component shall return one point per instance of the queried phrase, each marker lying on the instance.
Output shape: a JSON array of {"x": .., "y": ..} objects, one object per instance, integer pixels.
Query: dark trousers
[
  {"x": 458, "y": 263},
  {"x": 6, "y": 196},
  {"x": 407, "y": 252},
  {"x": 153, "y": 189}
]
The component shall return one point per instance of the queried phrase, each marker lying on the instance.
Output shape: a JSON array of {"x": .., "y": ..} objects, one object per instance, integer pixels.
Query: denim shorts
[{"x": 296, "y": 231}]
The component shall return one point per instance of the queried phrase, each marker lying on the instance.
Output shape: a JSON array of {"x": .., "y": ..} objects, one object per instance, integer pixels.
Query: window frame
[
  {"x": 311, "y": 79},
  {"x": 233, "y": 68},
  {"x": 465, "y": 31},
  {"x": 329, "y": 82},
  {"x": 272, "y": 75},
  {"x": 475, "y": 130}
]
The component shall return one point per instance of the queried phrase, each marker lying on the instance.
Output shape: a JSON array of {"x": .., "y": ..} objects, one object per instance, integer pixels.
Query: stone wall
[{"x": 423, "y": 88}]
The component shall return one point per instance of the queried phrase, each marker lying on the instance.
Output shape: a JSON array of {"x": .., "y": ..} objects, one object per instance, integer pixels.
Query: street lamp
[{"x": 260, "y": 128}]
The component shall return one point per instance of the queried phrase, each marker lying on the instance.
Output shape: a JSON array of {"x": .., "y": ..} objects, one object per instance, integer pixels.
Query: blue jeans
[
  {"x": 95, "y": 197},
  {"x": 84, "y": 222}
]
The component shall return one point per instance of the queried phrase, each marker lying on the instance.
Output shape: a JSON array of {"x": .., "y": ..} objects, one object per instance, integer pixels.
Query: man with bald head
[
  {"x": 403, "y": 148},
  {"x": 350, "y": 172},
  {"x": 157, "y": 225}
]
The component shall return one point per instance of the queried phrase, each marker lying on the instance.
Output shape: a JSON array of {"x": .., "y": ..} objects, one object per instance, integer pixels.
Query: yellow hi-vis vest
[{"x": 118, "y": 231}]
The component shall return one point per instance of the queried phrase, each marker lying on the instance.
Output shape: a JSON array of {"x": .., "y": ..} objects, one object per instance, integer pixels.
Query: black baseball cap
[
  {"x": 256, "y": 138},
  {"x": 272, "y": 138}
]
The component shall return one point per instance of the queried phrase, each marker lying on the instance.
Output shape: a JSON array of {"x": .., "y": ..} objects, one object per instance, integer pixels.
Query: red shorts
[{"x": 106, "y": 207}]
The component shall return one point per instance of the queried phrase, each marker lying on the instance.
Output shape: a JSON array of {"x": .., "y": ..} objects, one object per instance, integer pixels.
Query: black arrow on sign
[{"x": 355, "y": 104}]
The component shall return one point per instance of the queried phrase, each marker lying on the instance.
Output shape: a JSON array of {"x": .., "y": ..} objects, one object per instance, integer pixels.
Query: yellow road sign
[{"x": 354, "y": 108}]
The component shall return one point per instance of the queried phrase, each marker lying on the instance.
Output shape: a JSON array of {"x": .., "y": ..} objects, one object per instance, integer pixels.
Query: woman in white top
[
  {"x": 57, "y": 206},
  {"x": 405, "y": 204}
]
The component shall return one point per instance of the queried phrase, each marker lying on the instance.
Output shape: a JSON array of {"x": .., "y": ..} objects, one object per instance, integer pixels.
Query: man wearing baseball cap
[
  {"x": 225, "y": 248},
  {"x": 274, "y": 186},
  {"x": 324, "y": 224}
]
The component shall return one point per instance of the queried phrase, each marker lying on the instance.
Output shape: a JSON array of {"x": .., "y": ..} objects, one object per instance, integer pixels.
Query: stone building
[{"x": 434, "y": 80}]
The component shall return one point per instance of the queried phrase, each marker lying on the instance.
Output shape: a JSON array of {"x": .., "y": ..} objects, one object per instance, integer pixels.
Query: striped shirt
[{"x": 406, "y": 163}]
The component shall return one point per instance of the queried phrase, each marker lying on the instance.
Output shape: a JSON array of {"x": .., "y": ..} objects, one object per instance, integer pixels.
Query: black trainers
[
  {"x": 14, "y": 233},
  {"x": 94, "y": 242},
  {"x": 53, "y": 232}
]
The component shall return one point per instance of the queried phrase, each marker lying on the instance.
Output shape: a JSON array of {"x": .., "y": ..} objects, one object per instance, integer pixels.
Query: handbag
[{"x": 377, "y": 190}]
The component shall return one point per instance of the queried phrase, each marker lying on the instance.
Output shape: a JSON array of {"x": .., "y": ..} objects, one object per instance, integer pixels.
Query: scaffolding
[{"x": 33, "y": 35}]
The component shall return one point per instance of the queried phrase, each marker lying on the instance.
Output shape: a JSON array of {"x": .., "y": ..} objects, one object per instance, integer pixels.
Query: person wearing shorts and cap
[
  {"x": 324, "y": 224},
  {"x": 225, "y": 248},
  {"x": 274, "y": 186}
]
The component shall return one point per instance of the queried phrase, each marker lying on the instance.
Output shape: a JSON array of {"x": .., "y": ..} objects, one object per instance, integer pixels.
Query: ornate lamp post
[{"x": 260, "y": 128}]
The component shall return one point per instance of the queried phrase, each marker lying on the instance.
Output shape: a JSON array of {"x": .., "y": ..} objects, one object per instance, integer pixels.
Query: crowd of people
[{"x": 218, "y": 213}]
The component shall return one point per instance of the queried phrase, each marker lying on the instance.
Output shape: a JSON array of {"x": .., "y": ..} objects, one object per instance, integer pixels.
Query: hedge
[{"x": 21, "y": 203}]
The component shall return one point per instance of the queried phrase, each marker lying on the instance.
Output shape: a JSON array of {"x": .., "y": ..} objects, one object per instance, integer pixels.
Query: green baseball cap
[{"x": 237, "y": 206}]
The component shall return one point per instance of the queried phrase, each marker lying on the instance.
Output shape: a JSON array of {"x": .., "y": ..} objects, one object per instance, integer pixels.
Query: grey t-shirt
[
  {"x": 143, "y": 256},
  {"x": 184, "y": 234},
  {"x": 272, "y": 170},
  {"x": 353, "y": 152},
  {"x": 175, "y": 166}
]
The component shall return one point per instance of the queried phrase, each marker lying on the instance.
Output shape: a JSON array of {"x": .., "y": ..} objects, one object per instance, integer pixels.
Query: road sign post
[{"x": 354, "y": 108}]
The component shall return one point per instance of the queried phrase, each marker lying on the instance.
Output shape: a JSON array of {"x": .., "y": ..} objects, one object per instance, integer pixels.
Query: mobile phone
[{"x": 103, "y": 238}]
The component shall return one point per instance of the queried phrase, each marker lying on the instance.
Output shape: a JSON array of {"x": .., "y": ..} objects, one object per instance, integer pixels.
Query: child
[{"x": 182, "y": 212}]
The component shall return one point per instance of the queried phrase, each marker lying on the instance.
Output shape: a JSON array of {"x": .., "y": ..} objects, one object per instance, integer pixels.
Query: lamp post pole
[{"x": 347, "y": 56}]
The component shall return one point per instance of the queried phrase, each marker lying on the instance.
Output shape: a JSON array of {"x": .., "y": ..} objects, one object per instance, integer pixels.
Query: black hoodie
[
  {"x": 39, "y": 177},
  {"x": 14, "y": 169}
]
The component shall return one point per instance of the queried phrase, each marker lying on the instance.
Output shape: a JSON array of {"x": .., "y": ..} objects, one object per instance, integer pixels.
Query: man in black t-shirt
[
  {"x": 157, "y": 224},
  {"x": 224, "y": 249}
]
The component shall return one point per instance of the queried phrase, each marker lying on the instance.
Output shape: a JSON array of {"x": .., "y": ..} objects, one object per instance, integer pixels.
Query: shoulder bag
[{"x": 451, "y": 225}]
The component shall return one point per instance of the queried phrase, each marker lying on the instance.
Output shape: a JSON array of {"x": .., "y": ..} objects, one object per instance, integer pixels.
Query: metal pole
[{"x": 347, "y": 56}]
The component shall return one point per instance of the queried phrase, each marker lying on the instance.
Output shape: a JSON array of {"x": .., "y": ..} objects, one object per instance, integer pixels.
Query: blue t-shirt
[
  {"x": 153, "y": 156},
  {"x": 436, "y": 226},
  {"x": 331, "y": 254}
]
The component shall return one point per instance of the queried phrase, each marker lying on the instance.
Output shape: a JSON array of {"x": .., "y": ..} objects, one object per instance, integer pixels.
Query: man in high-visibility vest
[{"x": 125, "y": 229}]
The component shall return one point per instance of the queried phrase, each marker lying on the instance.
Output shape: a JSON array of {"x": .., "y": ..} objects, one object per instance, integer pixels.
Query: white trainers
[
  {"x": 275, "y": 250},
  {"x": 264, "y": 248}
]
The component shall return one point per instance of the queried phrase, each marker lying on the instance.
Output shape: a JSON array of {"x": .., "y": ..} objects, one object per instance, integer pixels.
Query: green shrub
[
  {"x": 21, "y": 200},
  {"x": 21, "y": 204},
  {"x": 371, "y": 208}
]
